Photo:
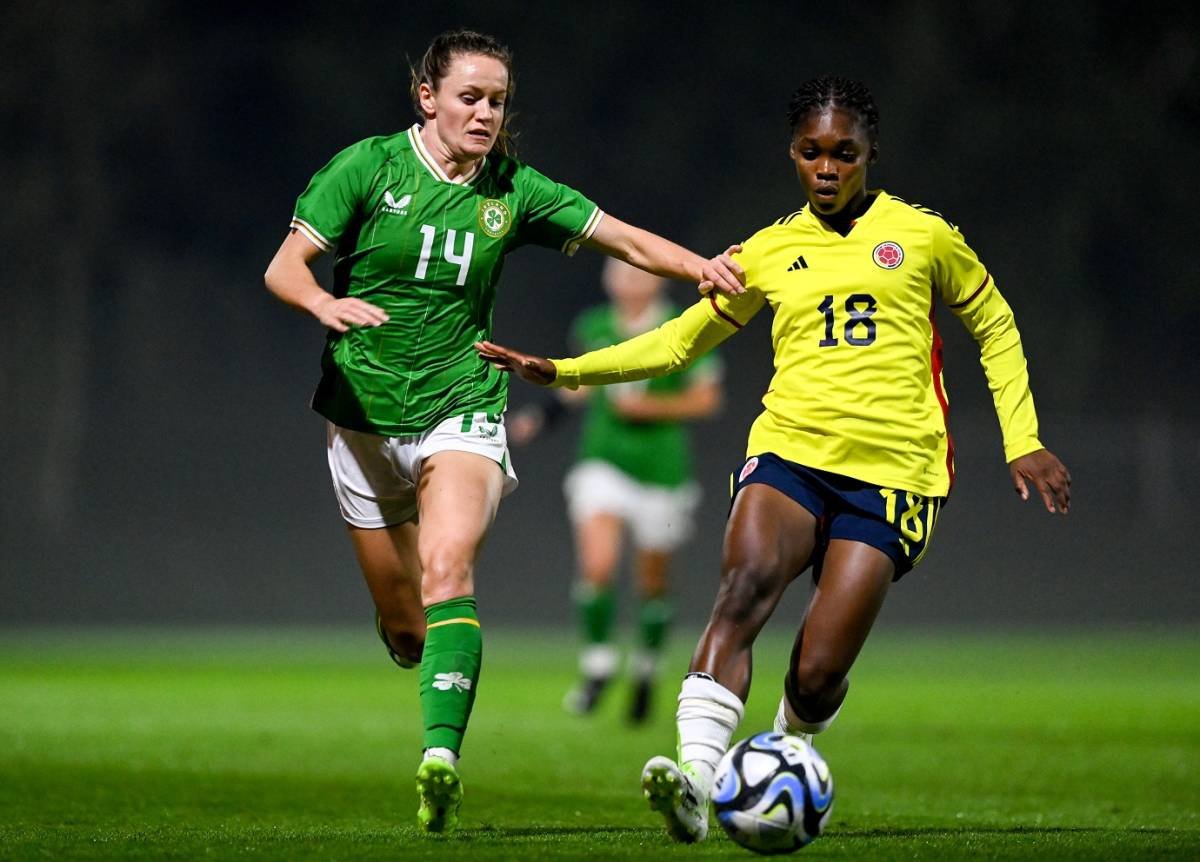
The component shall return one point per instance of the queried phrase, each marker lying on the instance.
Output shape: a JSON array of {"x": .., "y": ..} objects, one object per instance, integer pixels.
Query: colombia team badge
[
  {"x": 494, "y": 217},
  {"x": 888, "y": 254}
]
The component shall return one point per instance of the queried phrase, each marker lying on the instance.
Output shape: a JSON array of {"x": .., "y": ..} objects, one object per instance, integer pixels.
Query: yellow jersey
[{"x": 857, "y": 388}]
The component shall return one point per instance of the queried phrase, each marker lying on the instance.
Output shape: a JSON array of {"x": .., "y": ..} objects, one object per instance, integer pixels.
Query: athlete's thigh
[
  {"x": 847, "y": 599},
  {"x": 457, "y": 497},
  {"x": 768, "y": 531}
]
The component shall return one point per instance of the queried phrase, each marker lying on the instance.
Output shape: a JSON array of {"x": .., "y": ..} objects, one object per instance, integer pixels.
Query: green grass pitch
[{"x": 302, "y": 744}]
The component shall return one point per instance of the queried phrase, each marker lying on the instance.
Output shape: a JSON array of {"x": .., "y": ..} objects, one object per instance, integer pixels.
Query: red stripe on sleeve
[
  {"x": 978, "y": 290},
  {"x": 722, "y": 314}
]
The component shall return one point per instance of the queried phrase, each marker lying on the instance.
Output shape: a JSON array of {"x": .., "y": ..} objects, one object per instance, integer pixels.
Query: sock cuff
[
  {"x": 599, "y": 660},
  {"x": 797, "y": 723},
  {"x": 705, "y": 687},
  {"x": 461, "y": 609}
]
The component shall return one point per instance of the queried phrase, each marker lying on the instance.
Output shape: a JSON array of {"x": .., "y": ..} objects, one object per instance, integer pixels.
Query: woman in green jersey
[
  {"x": 633, "y": 478},
  {"x": 419, "y": 223},
  {"x": 851, "y": 459}
]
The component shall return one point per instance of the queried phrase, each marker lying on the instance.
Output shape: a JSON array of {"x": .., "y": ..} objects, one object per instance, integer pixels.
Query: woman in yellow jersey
[{"x": 851, "y": 459}]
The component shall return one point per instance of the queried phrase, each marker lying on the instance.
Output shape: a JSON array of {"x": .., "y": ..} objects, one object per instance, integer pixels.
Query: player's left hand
[
  {"x": 723, "y": 273},
  {"x": 1047, "y": 474},
  {"x": 534, "y": 369}
]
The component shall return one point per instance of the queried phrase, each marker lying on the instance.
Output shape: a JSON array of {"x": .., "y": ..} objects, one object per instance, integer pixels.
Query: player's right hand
[
  {"x": 340, "y": 314},
  {"x": 533, "y": 369},
  {"x": 724, "y": 274}
]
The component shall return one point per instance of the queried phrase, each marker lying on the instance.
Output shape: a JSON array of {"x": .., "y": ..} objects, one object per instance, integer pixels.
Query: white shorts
[
  {"x": 659, "y": 518},
  {"x": 375, "y": 478}
]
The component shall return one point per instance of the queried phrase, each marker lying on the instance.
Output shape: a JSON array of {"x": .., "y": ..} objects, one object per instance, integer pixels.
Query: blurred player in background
[
  {"x": 851, "y": 459},
  {"x": 634, "y": 474},
  {"x": 419, "y": 223}
]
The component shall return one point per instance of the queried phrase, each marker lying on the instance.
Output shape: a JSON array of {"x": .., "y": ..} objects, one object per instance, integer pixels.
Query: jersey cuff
[
  {"x": 566, "y": 374},
  {"x": 311, "y": 234},
  {"x": 589, "y": 227},
  {"x": 1020, "y": 447}
]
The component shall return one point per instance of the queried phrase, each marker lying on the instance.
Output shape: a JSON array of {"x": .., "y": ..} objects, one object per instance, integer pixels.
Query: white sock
[
  {"x": 706, "y": 718},
  {"x": 599, "y": 661},
  {"x": 786, "y": 721},
  {"x": 444, "y": 753}
]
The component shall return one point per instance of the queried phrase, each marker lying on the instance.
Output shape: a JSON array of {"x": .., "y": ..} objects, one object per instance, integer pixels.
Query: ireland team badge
[{"x": 494, "y": 217}]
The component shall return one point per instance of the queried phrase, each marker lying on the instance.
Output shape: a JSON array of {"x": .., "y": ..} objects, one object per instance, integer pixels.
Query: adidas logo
[
  {"x": 798, "y": 263},
  {"x": 397, "y": 207}
]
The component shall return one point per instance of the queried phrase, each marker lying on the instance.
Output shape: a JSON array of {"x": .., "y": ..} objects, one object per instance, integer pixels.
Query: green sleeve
[
  {"x": 554, "y": 215},
  {"x": 334, "y": 196}
]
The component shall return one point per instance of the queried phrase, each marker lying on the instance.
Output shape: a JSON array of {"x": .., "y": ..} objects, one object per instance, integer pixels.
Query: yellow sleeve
[
  {"x": 660, "y": 351},
  {"x": 990, "y": 321}
]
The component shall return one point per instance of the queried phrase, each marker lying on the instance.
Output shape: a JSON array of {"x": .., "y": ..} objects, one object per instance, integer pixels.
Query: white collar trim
[{"x": 431, "y": 164}]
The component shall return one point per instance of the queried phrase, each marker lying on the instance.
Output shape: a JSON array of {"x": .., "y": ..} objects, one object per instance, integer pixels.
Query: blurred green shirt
[{"x": 657, "y": 453}]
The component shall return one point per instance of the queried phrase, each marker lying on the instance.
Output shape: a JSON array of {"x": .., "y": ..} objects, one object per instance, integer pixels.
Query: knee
[{"x": 446, "y": 574}]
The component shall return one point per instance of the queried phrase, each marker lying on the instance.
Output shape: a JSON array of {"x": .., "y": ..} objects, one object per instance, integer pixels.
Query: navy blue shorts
[{"x": 899, "y": 523}]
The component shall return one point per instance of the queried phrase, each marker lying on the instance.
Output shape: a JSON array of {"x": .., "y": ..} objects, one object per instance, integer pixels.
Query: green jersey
[
  {"x": 429, "y": 251},
  {"x": 656, "y": 453}
]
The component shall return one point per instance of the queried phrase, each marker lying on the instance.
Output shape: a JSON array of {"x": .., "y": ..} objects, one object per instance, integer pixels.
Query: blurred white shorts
[
  {"x": 659, "y": 518},
  {"x": 375, "y": 477}
]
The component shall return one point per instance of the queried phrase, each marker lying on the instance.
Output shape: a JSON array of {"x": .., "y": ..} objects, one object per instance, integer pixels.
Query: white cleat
[{"x": 674, "y": 794}]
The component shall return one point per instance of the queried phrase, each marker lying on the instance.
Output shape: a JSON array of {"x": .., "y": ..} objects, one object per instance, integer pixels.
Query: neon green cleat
[
  {"x": 677, "y": 796},
  {"x": 440, "y": 791}
]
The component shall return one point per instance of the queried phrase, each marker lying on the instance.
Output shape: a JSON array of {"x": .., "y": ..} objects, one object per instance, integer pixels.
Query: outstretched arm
[
  {"x": 533, "y": 369},
  {"x": 660, "y": 351},
  {"x": 653, "y": 253}
]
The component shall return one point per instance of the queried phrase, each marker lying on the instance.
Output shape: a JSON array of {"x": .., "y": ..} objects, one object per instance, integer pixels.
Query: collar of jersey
[
  {"x": 880, "y": 197},
  {"x": 431, "y": 165}
]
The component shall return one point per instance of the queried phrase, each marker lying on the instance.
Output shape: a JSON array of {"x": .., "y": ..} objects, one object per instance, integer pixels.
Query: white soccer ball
[{"x": 772, "y": 793}]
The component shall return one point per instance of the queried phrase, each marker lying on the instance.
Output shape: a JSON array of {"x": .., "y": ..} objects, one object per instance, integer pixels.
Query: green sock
[
  {"x": 449, "y": 671},
  {"x": 597, "y": 608},
  {"x": 654, "y": 618}
]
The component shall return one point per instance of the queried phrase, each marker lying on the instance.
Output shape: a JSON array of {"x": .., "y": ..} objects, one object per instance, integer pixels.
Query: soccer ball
[{"x": 772, "y": 793}]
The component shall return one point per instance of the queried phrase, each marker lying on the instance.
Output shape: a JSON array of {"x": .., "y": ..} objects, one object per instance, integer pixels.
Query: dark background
[{"x": 159, "y": 461}]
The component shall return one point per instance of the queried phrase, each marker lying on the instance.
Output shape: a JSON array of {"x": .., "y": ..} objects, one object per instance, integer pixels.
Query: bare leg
[
  {"x": 457, "y": 497},
  {"x": 769, "y": 540},
  {"x": 389, "y": 563},
  {"x": 598, "y": 543},
  {"x": 651, "y": 571},
  {"x": 654, "y": 618},
  {"x": 854, "y": 583}
]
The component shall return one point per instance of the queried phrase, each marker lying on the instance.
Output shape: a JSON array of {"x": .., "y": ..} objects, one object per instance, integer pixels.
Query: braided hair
[{"x": 818, "y": 94}]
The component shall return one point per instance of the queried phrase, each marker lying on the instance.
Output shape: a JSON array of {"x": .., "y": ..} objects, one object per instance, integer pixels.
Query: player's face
[
  {"x": 467, "y": 108},
  {"x": 831, "y": 151}
]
